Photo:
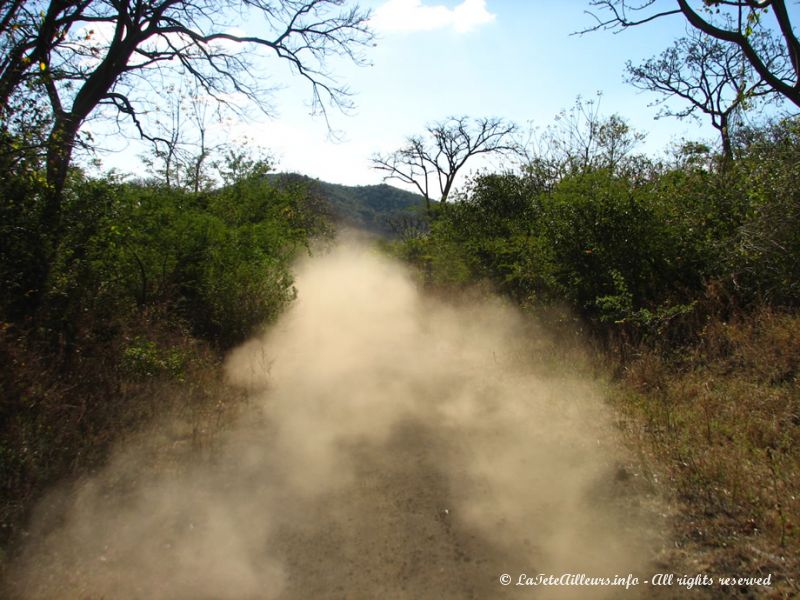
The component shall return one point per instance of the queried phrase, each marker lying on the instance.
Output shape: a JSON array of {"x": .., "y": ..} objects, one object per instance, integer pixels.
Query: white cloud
[{"x": 413, "y": 15}]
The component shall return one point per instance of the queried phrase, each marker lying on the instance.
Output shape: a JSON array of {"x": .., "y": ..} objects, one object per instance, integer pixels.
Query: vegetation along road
[{"x": 570, "y": 372}]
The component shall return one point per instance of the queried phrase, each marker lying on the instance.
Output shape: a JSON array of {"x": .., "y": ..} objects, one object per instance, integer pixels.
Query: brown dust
[{"x": 397, "y": 447}]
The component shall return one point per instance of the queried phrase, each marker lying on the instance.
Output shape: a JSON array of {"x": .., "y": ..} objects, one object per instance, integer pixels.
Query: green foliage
[
  {"x": 218, "y": 260},
  {"x": 764, "y": 260},
  {"x": 144, "y": 358},
  {"x": 98, "y": 315},
  {"x": 496, "y": 224},
  {"x": 21, "y": 201},
  {"x": 627, "y": 251}
]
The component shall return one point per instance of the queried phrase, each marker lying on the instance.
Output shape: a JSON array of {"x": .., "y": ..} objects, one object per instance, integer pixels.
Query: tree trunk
[
  {"x": 59, "y": 153},
  {"x": 727, "y": 147},
  {"x": 16, "y": 60}
]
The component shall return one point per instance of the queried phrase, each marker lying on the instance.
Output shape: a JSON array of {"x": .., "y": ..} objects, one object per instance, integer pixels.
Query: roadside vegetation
[
  {"x": 147, "y": 288},
  {"x": 119, "y": 297},
  {"x": 685, "y": 275}
]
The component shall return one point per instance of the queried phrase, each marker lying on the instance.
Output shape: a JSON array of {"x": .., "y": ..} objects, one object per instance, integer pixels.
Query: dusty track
[{"x": 397, "y": 448}]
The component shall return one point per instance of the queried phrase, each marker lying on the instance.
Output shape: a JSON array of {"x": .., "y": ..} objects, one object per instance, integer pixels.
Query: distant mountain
[{"x": 381, "y": 209}]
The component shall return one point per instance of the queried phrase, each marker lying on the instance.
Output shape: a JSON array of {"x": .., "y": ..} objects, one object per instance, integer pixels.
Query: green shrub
[
  {"x": 763, "y": 260},
  {"x": 220, "y": 260},
  {"x": 144, "y": 358},
  {"x": 633, "y": 251}
]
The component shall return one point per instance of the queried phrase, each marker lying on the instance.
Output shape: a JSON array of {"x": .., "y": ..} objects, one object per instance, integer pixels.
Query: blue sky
[{"x": 515, "y": 59}]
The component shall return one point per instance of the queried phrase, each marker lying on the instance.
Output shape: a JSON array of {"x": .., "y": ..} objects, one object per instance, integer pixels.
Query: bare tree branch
[
  {"x": 437, "y": 158},
  {"x": 731, "y": 21},
  {"x": 61, "y": 55},
  {"x": 712, "y": 77}
]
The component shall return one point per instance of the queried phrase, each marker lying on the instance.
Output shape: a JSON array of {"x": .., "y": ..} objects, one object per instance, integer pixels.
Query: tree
[
  {"x": 729, "y": 21},
  {"x": 712, "y": 77},
  {"x": 580, "y": 141},
  {"x": 436, "y": 158},
  {"x": 184, "y": 152},
  {"x": 85, "y": 55}
]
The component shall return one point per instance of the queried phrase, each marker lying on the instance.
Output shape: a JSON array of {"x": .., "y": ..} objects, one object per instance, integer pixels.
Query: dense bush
[
  {"x": 219, "y": 260},
  {"x": 21, "y": 253},
  {"x": 631, "y": 249},
  {"x": 764, "y": 259},
  {"x": 119, "y": 312}
]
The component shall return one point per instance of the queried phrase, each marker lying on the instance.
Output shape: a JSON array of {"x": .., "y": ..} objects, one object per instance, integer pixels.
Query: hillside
[{"x": 382, "y": 209}]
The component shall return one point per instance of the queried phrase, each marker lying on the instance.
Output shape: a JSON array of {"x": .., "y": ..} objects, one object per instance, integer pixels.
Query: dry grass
[{"x": 721, "y": 421}]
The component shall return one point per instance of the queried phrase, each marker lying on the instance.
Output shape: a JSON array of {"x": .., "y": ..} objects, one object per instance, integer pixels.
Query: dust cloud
[{"x": 398, "y": 447}]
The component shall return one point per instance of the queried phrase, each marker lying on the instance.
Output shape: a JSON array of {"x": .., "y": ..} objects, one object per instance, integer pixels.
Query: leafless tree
[
  {"x": 196, "y": 176},
  {"x": 168, "y": 152},
  {"x": 432, "y": 161},
  {"x": 85, "y": 55},
  {"x": 729, "y": 21},
  {"x": 582, "y": 140},
  {"x": 712, "y": 77}
]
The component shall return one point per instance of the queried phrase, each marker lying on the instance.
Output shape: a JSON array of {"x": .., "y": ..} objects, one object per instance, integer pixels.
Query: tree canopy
[
  {"x": 729, "y": 21},
  {"x": 709, "y": 76},
  {"x": 72, "y": 57},
  {"x": 432, "y": 161}
]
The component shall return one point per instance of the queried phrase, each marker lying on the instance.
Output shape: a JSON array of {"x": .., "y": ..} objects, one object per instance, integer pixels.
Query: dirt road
[{"x": 396, "y": 447}]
